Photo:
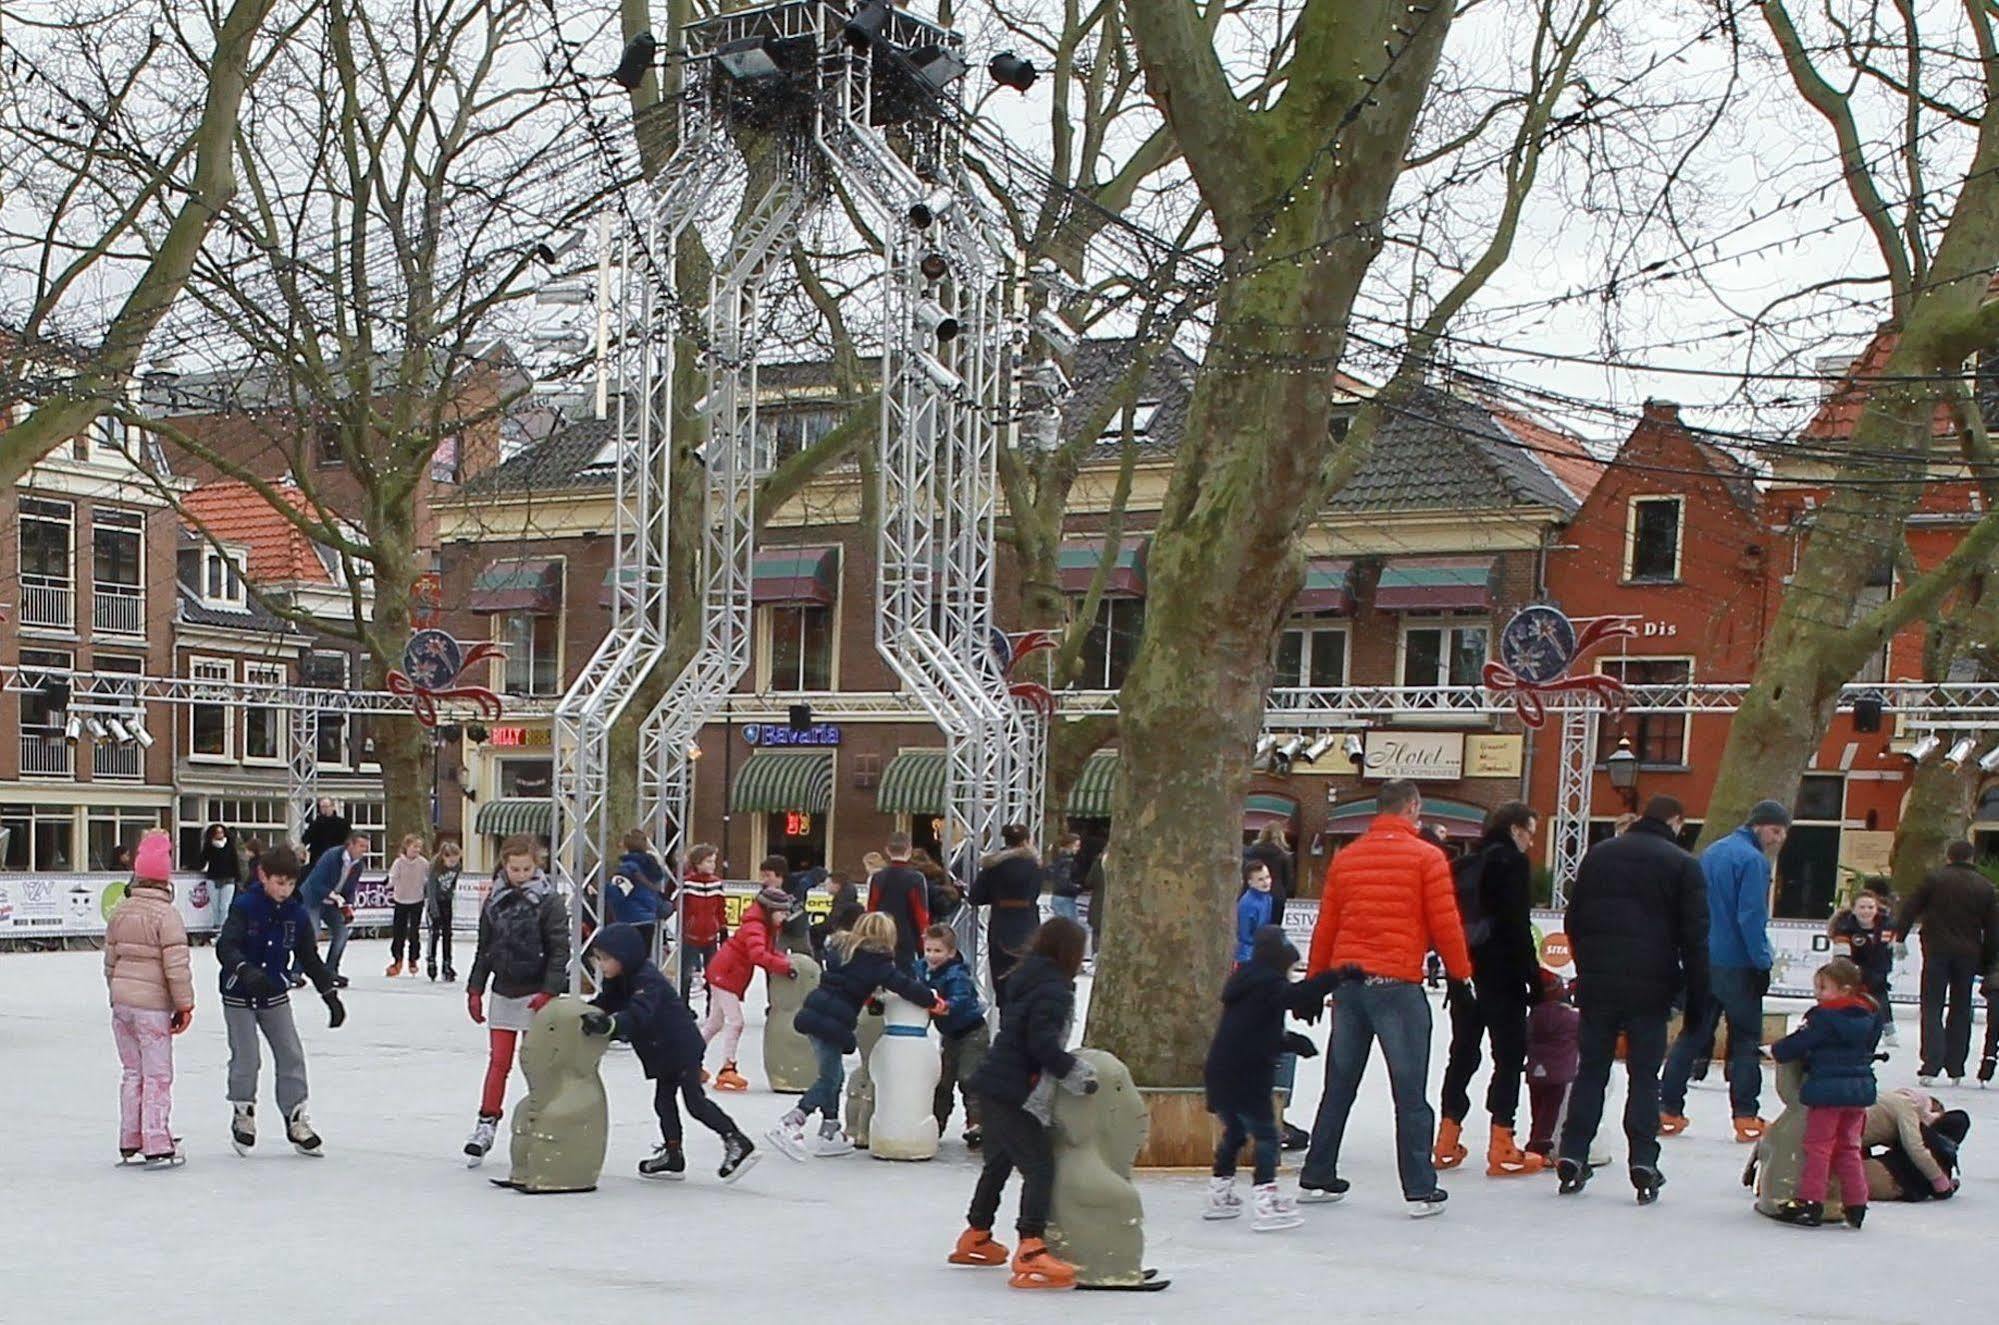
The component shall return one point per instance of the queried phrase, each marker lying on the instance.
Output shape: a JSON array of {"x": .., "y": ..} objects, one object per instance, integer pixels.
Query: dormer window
[{"x": 222, "y": 578}]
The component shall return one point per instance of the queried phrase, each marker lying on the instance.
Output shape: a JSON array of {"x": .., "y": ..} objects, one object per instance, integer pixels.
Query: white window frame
[
  {"x": 268, "y": 674},
  {"x": 1631, "y": 505},
  {"x": 1449, "y": 624},
  {"x": 766, "y": 648},
  {"x": 1604, "y": 666},
  {"x": 1311, "y": 626},
  {"x": 234, "y": 572},
  {"x": 500, "y": 620},
  {"x": 197, "y": 663}
]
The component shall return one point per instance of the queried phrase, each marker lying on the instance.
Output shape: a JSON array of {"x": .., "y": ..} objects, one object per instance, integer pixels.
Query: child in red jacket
[
  {"x": 729, "y": 975},
  {"x": 704, "y": 917}
]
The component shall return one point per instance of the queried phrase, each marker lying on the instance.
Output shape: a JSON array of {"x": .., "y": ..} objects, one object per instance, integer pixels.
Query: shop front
[{"x": 786, "y": 798}]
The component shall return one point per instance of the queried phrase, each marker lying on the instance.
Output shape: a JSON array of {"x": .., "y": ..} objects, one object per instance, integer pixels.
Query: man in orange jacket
[{"x": 1388, "y": 903}]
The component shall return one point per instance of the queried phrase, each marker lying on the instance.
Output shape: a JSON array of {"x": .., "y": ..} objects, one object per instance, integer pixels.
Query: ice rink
[{"x": 390, "y": 1225}]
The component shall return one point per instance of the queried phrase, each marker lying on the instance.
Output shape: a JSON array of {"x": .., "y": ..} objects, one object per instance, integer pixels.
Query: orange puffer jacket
[
  {"x": 1388, "y": 903},
  {"x": 145, "y": 952}
]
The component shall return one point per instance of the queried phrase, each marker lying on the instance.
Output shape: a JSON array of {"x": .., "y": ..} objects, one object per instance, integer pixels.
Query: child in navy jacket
[
  {"x": 962, "y": 1026},
  {"x": 637, "y": 1003},
  {"x": 1836, "y": 1042}
]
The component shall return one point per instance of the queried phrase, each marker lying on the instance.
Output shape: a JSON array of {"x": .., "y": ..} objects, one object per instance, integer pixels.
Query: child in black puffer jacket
[
  {"x": 858, "y": 962},
  {"x": 1016, "y": 1086}
]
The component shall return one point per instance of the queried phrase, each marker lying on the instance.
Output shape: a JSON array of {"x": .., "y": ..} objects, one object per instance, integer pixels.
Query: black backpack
[{"x": 1467, "y": 874}]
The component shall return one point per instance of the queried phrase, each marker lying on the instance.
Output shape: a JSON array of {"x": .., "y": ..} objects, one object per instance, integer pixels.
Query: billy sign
[{"x": 1419, "y": 756}]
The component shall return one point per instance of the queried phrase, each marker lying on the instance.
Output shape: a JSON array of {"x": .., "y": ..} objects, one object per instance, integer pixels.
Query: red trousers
[{"x": 1832, "y": 1148}]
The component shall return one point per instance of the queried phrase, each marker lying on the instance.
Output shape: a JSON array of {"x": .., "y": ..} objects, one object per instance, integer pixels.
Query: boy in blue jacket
[
  {"x": 1836, "y": 1042},
  {"x": 1255, "y": 907},
  {"x": 961, "y": 1026},
  {"x": 636, "y": 1003}
]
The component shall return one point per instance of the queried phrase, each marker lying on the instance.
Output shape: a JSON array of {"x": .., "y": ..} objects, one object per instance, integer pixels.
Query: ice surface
[{"x": 390, "y": 1226}]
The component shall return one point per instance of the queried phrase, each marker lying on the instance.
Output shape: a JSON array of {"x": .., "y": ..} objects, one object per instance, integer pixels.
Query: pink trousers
[
  {"x": 724, "y": 1022},
  {"x": 1832, "y": 1149},
  {"x": 145, "y": 1093}
]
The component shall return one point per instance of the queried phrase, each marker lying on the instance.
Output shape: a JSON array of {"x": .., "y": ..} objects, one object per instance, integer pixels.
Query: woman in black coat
[
  {"x": 326, "y": 829},
  {"x": 1009, "y": 883}
]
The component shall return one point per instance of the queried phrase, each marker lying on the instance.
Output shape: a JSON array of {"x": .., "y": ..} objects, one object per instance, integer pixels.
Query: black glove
[
  {"x": 596, "y": 1023},
  {"x": 1299, "y": 1045},
  {"x": 1459, "y": 991},
  {"x": 1760, "y": 981},
  {"x": 256, "y": 982},
  {"x": 336, "y": 1012}
]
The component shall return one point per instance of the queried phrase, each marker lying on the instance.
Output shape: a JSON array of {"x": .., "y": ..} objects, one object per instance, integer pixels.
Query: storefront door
[{"x": 797, "y": 836}]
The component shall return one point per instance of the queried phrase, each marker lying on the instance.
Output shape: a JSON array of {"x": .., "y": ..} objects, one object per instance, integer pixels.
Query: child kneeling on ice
[
  {"x": 1836, "y": 1041},
  {"x": 1016, "y": 1086},
  {"x": 637, "y": 1004},
  {"x": 858, "y": 963},
  {"x": 1241, "y": 1071}
]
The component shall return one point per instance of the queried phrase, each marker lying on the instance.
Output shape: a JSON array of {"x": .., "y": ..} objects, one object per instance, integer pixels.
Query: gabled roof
[
  {"x": 1169, "y": 384},
  {"x": 1439, "y": 452},
  {"x": 251, "y": 617},
  {"x": 279, "y": 552},
  {"x": 568, "y": 459},
  {"x": 1561, "y": 455},
  {"x": 1840, "y": 412}
]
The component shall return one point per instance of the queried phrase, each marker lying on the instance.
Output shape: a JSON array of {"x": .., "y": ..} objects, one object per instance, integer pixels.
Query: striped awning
[
  {"x": 915, "y": 783},
  {"x": 1436, "y": 584},
  {"x": 1266, "y": 808},
  {"x": 771, "y": 781},
  {"x": 1090, "y": 798},
  {"x": 1456, "y": 818},
  {"x": 1326, "y": 587},
  {"x": 1078, "y": 558},
  {"x": 519, "y": 584},
  {"x": 796, "y": 575},
  {"x": 608, "y": 594},
  {"x": 516, "y": 814}
]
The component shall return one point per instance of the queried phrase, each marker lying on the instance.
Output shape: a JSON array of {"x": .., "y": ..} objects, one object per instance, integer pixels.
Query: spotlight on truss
[
  {"x": 1356, "y": 751},
  {"x": 1925, "y": 747},
  {"x": 1264, "y": 745},
  {"x": 119, "y": 731},
  {"x": 636, "y": 62},
  {"x": 1989, "y": 761},
  {"x": 1010, "y": 70},
  {"x": 139, "y": 732},
  {"x": 1960, "y": 753},
  {"x": 934, "y": 266},
  {"x": 936, "y": 67},
  {"x": 72, "y": 729},
  {"x": 865, "y": 27},
  {"x": 924, "y": 212},
  {"x": 937, "y": 322},
  {"x": 940, "y": 376},
  {"x": 748, "y": 60},
  {"x": 1312, "y": 753},
  {"x": 1053, "y": 328}
]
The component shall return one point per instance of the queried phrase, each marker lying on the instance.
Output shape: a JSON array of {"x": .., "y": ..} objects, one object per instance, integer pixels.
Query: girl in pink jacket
[{"x": 152, "y": 1000}]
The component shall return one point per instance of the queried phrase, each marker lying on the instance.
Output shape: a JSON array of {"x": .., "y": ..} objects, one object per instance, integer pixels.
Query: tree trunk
[{"x": 1936, "y": 814}]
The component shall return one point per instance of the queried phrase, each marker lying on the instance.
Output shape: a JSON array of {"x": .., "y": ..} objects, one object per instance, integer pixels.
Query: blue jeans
[
  {"x": 1732, "y": 994},
  {"x": 1063, "y": 906},
  {"x": 1398, "y": 1014},
  {"x": 824, "y": 1096},
  {"x": 1237, "y": 1127},
  {"x": 331, "y": 919},
  {"x": 225, "y": 897}
]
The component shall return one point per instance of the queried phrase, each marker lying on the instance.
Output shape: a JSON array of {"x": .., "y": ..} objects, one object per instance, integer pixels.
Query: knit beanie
[
  {"x": 1769, "y": 812},
  {"x": 774, "y": 899},
  {"x": 154, "y": 860}
]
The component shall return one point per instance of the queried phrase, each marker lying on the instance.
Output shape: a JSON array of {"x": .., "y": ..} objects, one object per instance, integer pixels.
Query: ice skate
[
  {"x": 169, "y": 1160},
  {"x": 481, "y": 1140},
  {"x": 395, "y": 969},
  {"x": 789, "y": 1137},
  {"x": 1672, "y": 1124},
  {"x": 668, "y": 1162},
  {"x": 1646, "y": 1182},
  {"x": 243, "y": 1127},
  {"x": 1034, "y": 1266},
  {"x": 1574, "y": 1176},
  {"x": 432, "y": 968},
  {"x": 730, "y": 1079},
  {"x": 1810, "y": 1214},
  {"x": 1223, "y": 1203},
  {"x": 1505, "y": 1159},
  {"x": 1449, "y": 1151},
  {"x": 129, "y": 1155},
  {"x": 450, "y": 976},
  {"x": 1888, "y": 1036},
  {"x": 1986, "y": 1067},
  {"x": 1293, "y": 1138},
  {"x": 1749, "y": 1130},
  {"x": 976, "y": 1247},
  {"x": 1330, "y": 1193},
  {"x": 1956, "y": 1079},
  {"x": 1926, "y": 1079},
  {"x": 739, "y": 1156},
  {"x": 974, "y": 1138},
  {"x": 1422, "y": 1207},
  {"x": 1273, "y": 1211},
  {"x": 1854, "y": 1215},
  {"x": 299, "y": 1132},
  {"x": 830, "y": 1143}
]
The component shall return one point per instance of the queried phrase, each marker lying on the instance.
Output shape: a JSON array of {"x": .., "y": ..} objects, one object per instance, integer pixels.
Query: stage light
[
  {"x": 1053, "y": 328},
  {"x": 924, "y": 213},
  {"x": 935, "y": 267},
  {"x": 865, "y": 27},
  {"x": 936, "y": 321},
  {"x": 1265, "y": 744},
  {"x": 1356, "y": 751},
  {"x": 748, "y": 60},
  {"x": 1960, "y": 753},
  {"x": 1989, "y": 761},
  {"x": 636, "y": 62},
  {"x": 936, "y": 66},
  {"x": 139, "y": 733},
  {"x": 1010, "y": 70},
  {"x": 1925, "y": 747},
  {"x": 119, "y": 731},
  {"x": 1317, "y": 749},
  {"x": 72, "y": 730},
  {"x": 940, "y": 376},
  {"x": 98, "y": 731}
]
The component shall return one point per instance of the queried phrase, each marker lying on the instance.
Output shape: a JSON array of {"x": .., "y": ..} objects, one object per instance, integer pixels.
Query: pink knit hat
[{"x": 155, "y": 859}]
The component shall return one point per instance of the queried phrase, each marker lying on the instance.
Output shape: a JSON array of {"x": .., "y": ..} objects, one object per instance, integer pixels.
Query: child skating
[
  {"x": 409, "y": 879},
  {"x": 1836, "y": 1043},
  {"x": 1554, "y": 1036},
  {"x": 637, "y": 1004},
  {"x": 438, "y": 892},
  {"x": 152, "y": 1000},
  {"x": 704, "y": 917},
  {"x": 267, "y": 931},
  {"x": 961, "y": 1026},
  {"x": 729, "y": 972},
  {"x": 524, "y": 951},
  {"x": 1241, "y": 1072},
  {"x": 858, "y": 963}
]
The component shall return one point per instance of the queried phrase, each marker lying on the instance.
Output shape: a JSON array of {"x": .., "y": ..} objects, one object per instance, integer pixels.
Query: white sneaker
[
  {"x": 481, "y": 1141},
  {"x": 1223, "y": 1203},
  {"x": 830, "y": 1145},
  {"x": 790, "y": 1139},
  {"x": 1273, "y": 1211},
  {"x": 1926, "y": 1082}
]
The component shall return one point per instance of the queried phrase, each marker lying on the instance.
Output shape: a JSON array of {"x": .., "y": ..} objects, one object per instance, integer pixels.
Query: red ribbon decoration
[
  {"x": 1526, "y": 695},
  {"x": 423, "y": 700}
]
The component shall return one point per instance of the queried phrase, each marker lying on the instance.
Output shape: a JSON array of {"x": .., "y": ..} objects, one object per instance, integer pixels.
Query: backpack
[{"x": 1467, "y": 873}]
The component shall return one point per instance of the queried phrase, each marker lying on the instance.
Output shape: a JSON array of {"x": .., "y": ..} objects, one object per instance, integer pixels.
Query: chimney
[{"x": 1662, "y": 411}]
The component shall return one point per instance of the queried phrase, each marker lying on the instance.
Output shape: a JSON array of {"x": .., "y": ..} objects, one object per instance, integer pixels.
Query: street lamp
[{"x": 1623, "y": 769}]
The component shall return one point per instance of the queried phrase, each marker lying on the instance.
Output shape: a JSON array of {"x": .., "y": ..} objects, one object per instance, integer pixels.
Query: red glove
[
  {"x": 347, "y": 914},
  {"x": 540, "y": 1001},
  {"x": 475, "y": 1004},
  {"x": 181, "y": 1020}
]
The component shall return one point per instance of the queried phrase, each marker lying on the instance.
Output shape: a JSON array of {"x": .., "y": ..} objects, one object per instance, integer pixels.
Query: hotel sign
[{"x": 1416, "y": 755}]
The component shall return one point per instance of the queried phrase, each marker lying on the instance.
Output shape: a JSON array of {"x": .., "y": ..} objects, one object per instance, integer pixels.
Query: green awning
[
  {"x": 1327, "y": 587},
  {"x": 519, "y": 584},
  {"x": 1456, "y": 818},
  {"x": 1078, "y": 558},
  {"x": 608, "y": 595},
  {"x": 1267, "y": 807},
  {"x": 516, "y": 814},
  {"x": 796, "y": 575},
  {"x": 915, "y": 783},
  {"x": 1436, "y": 584},
  {"x": 771, "y": 781},
  {"x": 1090, "y": 798}
]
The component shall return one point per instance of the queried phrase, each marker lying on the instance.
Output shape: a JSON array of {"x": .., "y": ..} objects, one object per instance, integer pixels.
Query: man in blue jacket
[
  {"x": 328, "y": 893},
  {"x": 1739, "y": 956}
]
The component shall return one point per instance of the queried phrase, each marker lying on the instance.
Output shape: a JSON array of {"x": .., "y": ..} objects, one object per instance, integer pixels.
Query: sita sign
[{"x": 1537, "y": 652}]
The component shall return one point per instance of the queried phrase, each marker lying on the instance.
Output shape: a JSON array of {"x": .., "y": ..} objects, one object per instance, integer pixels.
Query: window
[
  {"x": 262, "y": 819},
  {"x": 782, "y": 434},
  {"x": 326, "y": 446},
  {"x": 527, "y": 777},
  {"x": 1821, "y": 797},
  {"x": 209, "y": 725},
  {"x": 42, "y": 838},
  {"x": 45, "y": 751},
  {"x": 1112, "y": 643},
  {"x": 801, "y": 647},
  {"x": 444, "y": 460},
  {"x": 368, "y": 817},
  {"x": 1139, "y": 417},
  {"x": 533, "y": 645},
  {"x": 1652, "y": 539},
  {"x": 111, "y": 836},
  {"x": 263, "y": 728},
  {"x": 1870, "y": 598},
  {"x": 47, "y": 537},
  {"x": 118, "y": 561},
  {"x": 328, "y": 671},
  {"x": 1443, "y": 653},
  {"x": 1658, "y": 739},
  {"x": 222, "y": 578},
  {"x": 1309, "y": 654},
  {"x": 120, "y": 758}
]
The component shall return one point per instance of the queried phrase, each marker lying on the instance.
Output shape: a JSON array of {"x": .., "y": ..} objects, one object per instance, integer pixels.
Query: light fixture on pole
[
  {"x": 1989, "y": 761},
  {"x": 936, "y": 321},
  {"x": 1622, "y": 766},
  {"x": 1053, "y": 328},
  {"x": 95, "y": 726},
  {"x": 72, "y": 729},
  {"x": 139, "y": 732},
  {"x": 1317, "y": 749},
  {"x": 940, "y": 376},
  {"x": 934, "y": 266},
  {"x": 924, "y": 212},
  {"x": 865, "y": 27},
  {"x": 1928, "y": 745},
  {"x": 1960, "y": 753},
  {"x": 636, "y": 62},
  {"x": 119, "y": 731},
  {"x": 1355, "y": 748},
  {"x": 1010, "y": 70}
]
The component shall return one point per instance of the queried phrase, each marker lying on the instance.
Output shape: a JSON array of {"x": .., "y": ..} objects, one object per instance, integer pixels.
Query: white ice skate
[
  {"x": 1273, "y": 1211},
  {"x": 173, "y": 1159},
  {"x": 789, "y": 1138},
  {"x": 243, "y": 1127},
  {"x": 830, "y": 1145},
  {"x": 1925, "y": 1081},
  {"x": 1223, "y": 1203},
  {"x": 299, "y": 1132},
  {"x": 481, "y": 1141}
]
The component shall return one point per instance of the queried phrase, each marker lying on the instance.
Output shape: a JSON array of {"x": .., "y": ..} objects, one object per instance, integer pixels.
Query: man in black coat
[
  {"x": 1637, "y": 925},
  {"x": 1958, "y": 910},
  {"x": 326, "y": 829}
]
